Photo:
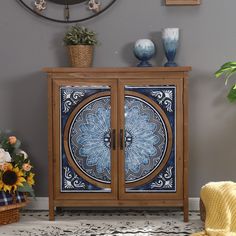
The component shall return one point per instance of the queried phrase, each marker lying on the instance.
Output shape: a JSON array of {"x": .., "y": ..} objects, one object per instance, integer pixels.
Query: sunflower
[
  {"x": 11, "y": 178},
  {"x": 30, "y": 179}
]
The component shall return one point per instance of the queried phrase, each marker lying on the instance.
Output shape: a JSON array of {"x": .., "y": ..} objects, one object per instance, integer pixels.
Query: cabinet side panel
[
  {"x": 50, "y": 150},
  {"x": 186, "y": 147}
]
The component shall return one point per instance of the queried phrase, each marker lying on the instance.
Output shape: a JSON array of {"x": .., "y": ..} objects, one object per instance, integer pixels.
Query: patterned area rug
[{"x": 108, "y": 223}]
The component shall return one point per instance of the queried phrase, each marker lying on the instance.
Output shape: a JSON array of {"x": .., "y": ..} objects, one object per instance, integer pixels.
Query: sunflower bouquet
[{"x": 16, "y": 173}]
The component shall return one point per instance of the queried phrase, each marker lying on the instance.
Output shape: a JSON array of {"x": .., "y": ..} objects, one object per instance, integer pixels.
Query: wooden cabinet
[{"x": 118, "y": 137}]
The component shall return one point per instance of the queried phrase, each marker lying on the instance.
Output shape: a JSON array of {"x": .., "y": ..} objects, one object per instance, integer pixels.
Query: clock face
[{"x": 67, "y": 11}]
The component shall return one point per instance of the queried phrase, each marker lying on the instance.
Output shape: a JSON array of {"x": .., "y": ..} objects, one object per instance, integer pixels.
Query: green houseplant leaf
[
  {"x": 232, "y": 94},
  {"x": 26, "y": 188},
  {"x": 226, "y": 71},
  {"x": 80, "y": 35}
]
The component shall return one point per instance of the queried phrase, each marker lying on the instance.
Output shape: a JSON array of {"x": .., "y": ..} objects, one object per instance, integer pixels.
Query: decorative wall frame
[{"x": 183, "y": 2}]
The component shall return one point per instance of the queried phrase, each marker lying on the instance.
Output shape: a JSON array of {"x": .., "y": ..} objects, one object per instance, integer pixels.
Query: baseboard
[
  {"x": 194, "y": 203},
  {"x": 41, "y": 203}
]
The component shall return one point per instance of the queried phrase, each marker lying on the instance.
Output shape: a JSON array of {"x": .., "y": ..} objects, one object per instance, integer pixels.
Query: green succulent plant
[
  {"x": 80, "y": 35},
  {"x": 226, "y": 71}
]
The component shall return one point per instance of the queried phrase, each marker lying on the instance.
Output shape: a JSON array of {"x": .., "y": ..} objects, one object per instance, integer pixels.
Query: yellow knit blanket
[{"x": 219, "y": 199}]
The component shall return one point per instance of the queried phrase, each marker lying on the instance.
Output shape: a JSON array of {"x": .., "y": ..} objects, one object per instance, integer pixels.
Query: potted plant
[
  {"x": 15, "y": 167},
  {"x": 80, "y": 42},
  {"x": 226, "y": 71},
  {"x": 16, "y": 178}
]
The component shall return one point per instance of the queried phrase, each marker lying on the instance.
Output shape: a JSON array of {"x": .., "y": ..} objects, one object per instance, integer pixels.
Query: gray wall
[{"x": 208, "y": 39}]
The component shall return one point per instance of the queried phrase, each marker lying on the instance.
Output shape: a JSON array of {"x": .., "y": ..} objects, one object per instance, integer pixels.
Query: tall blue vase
[{"x": 170, "y": 38}]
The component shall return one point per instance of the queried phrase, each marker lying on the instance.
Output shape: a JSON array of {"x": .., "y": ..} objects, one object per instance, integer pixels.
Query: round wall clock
[{"x": 67, "y": 11}]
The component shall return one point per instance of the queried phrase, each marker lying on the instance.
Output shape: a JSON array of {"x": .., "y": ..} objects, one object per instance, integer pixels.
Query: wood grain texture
[
  {"x": 118, "y": 203},
  {"x": 50, "y": 151},
  {"x": 185, "y": 146},
  {"x": 115, "y": 70}
]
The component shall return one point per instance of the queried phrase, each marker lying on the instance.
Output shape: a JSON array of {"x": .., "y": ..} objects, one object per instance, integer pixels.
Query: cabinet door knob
[
  {"x": 114, "y": 139},
  {"x": 121, "y": 139}
]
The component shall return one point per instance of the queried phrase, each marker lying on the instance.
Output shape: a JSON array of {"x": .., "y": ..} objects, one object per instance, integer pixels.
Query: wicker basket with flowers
[{"x": 16, "y": 178}]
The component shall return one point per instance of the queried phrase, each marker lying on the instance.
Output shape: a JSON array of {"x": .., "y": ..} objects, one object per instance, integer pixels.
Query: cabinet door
[
  {"x": 85, "y": 139},
  {"x": 151, "y": 139}
]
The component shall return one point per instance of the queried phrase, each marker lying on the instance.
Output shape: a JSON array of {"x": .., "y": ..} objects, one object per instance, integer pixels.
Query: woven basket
[
  {"x": 10, "y": 214},
  {"x": 81, "y": 55}
]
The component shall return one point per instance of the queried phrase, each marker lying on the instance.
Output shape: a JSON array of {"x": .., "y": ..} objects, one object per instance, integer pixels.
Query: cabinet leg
[
  {"x": 51, "y": 212},
  {"x": 186, "y": 213}
]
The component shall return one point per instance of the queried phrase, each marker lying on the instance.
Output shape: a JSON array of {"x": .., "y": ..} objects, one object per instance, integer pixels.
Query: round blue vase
[{"x": 144, "y": 50}]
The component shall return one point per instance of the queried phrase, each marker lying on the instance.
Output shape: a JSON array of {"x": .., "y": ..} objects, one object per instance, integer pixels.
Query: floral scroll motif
[
  {"x": 70, "y": 98},
  {"x": 71, "y": 181},
  {"x": 164, "y": 97},
  {"x": 165, "y": 181}
]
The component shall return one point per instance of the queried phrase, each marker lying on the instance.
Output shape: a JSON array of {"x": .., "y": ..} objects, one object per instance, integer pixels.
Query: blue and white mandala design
[
  {"x": 90, "y": 139},
  {"x": 145, "y": 139}
]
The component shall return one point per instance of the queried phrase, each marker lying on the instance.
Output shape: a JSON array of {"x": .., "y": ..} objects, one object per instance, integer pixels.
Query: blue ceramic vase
[
  {"x": 170, "y": 38},
  {"x": 144, "y": 50}
]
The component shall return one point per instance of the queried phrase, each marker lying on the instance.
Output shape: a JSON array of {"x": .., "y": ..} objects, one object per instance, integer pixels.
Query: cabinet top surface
[{"x": 116, "y": 70}]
